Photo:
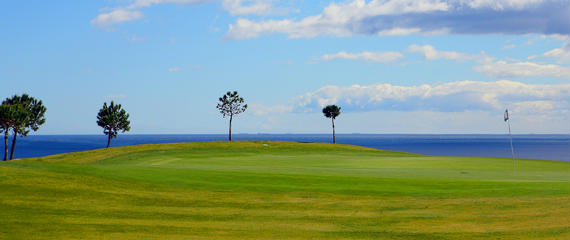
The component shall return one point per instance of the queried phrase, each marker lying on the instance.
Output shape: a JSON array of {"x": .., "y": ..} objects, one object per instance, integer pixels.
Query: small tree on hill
[
  {"x": 24, "y": 114},
  {"x": 332, "y": 112},
  {"x": 231, "y": 104},
  {"x": 112, "y": 119}
]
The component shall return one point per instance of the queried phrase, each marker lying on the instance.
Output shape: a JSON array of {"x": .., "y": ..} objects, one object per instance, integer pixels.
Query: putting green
[{"x": 280, "y": 190}]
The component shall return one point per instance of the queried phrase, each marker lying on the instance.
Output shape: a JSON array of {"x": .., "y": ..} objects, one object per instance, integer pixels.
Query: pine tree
[
  {"x": 113, "y": 119},
  {"x": 230, "y": 105},
  {"x": 332, "y": 112},
  {"x": 26, "y": 113}
]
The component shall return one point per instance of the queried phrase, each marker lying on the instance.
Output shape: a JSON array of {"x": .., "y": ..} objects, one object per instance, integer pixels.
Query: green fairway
[{"x": 280, "y": 190}]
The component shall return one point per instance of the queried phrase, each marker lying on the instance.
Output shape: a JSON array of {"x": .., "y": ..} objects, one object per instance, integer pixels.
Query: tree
[
  {"x": 112, "y": 119},
  {"x": 332, "y": 112},
  {"x": 26, "y": 113},
  {"x": 6, "y": 116},
  {"x": 231, "y": 104}
]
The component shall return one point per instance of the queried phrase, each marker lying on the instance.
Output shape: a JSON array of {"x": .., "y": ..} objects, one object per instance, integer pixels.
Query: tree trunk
[
  {"x": 6, "y": 145},
  {"x": 230, "y": 134},
  {"x": 334, "y": 137},
  {"x": 109, "y": 141},
  {"x": 13, "y": 143}
]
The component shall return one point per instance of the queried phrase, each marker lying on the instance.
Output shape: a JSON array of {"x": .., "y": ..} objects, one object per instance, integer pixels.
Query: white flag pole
[
  {"x": 507, "y": 119},
  {"x": 512, "y": 149}
]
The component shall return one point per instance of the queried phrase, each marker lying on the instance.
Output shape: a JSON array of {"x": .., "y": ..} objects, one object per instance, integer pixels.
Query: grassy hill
[{"x": 280, "y": 190}]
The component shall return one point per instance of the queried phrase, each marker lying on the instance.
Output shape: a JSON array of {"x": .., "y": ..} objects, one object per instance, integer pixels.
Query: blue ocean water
[{"x": 547, "y": 147}]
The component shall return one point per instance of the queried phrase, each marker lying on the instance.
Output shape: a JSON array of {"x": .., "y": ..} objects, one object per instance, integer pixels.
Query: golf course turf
[{"x": 280, "y": 190}]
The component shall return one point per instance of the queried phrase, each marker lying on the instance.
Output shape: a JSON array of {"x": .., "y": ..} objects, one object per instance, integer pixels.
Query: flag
[{"x": 506, "y": 115}]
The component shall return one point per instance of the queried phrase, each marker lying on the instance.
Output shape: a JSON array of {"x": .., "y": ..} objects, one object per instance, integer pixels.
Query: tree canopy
[
  {"x": 29, "y": 113},
  {"x": 21, "y": 114},
  {"x": 113, "y": 119},
  {"x": 229, "y": 105},
  {"x": 331, "y": 111},
  {"x": 6, "y": 116}
]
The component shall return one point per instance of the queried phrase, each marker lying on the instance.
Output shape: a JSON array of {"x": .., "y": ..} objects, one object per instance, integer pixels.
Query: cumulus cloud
[
  {"x": 383, "y": 57},
  {"x": 333, "y": 20},
  {"x": 131, "y": 12},
  {"x": 560, "y": 37},
  {"x": 116, "y": 16},
  {"x": 402, "y": 17},
  {"x": 504, "y": 4},
  {"x": 430, "y": 53},
  {"x": 148, "y": 3},
  {"x": 561, "y": 54},
  {"x": 504, "y": 69},
  {"x": 249, "y": 7},
  {"x": 234, "y": 7},
  {"x": 448, "y": 97}
]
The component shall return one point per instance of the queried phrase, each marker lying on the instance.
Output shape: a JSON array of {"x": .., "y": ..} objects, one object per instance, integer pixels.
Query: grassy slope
[{"x": 247, "y": 190}]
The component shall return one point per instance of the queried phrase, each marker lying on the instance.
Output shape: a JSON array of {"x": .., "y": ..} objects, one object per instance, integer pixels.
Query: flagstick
[{"x": 512, "y": 149}]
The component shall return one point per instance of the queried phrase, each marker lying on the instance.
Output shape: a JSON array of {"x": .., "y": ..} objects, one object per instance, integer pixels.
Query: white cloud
[
  {"x": 504, "y": 69},
  {"x": 131, "y": 12},
  {"x": 384, "y": 57},
  {"x": 560, "y": 37},
  {"x": 561, "y": 54},
  {"x": 248, "y": 7},
  {"x": 116, "y": 16},
  {"x": 234, "y": 7},
  {"x": 430, "y": 53},
  {"x": 334, "y": 19},
  {"x": 403, "y": 17},
  {"x": 397, "y": 31},
  {"x": 503, "y": 4},
  {"x": 174, "y": 69},
  {"x": 449, "y": 97},
  {"x": 149, "y": 3}
]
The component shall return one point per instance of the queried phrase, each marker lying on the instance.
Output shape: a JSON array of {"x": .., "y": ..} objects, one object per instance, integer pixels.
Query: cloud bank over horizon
[{"x": 447, "y": 97}]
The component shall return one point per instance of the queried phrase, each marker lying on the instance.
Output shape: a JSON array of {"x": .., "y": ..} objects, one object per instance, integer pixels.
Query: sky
[{"x": 393, "y": 66}]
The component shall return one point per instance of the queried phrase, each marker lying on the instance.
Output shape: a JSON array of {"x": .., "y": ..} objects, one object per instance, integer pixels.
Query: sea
[{"x": 545, "y": 147}]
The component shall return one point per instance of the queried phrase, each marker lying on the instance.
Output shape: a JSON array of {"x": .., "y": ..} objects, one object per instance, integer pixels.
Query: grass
[{"x": 280, "y": 190}]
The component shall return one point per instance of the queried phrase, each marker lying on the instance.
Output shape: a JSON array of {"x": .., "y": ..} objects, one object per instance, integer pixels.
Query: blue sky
[{"x": 394, "y": 66}]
